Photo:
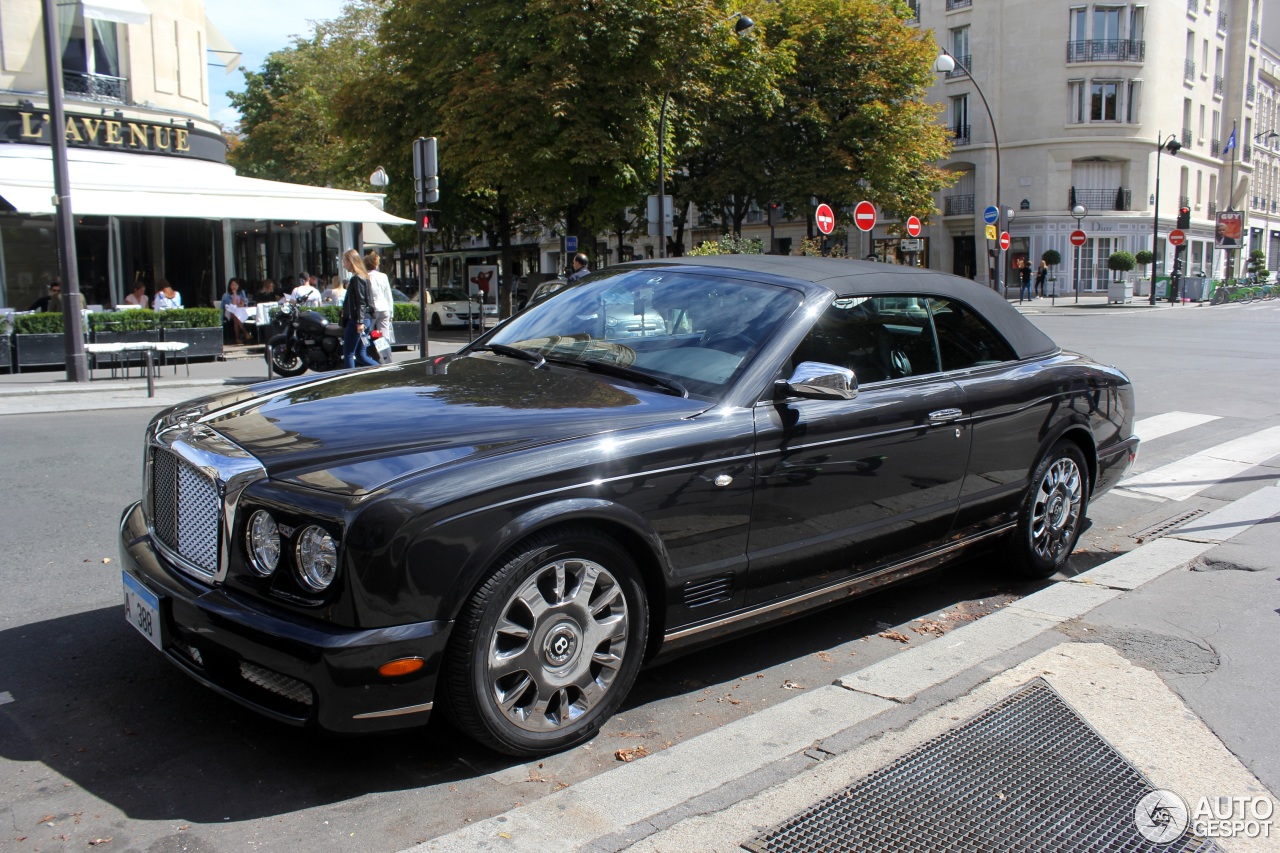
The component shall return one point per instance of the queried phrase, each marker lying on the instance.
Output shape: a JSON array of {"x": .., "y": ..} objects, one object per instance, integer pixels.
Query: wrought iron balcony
[
  {"x": 960, "y": 134},
  {"x": 1219, "y": 85},
  {"x": 1222, "y": 20},
  {"x": 1248, "y": 153},
  {"x": 1253, "y": 31},
  {"x": 1189, "y": 70},
  {"x": 958, "y": 4},
  {"x": 1193, "y": 5},
  {"x": 1186, "y": 137},
  {"x": 1215, "y": 147},
  {"x": 1249, "y": 91},
  {"x": 1119, "y": 198},
  {"x": 955, "y": 205},
  {"x": 1184, "y": 201},
  {"x": 1107, "y": 50},
  {"x": 1213, "y": 209},
  {"x": 963, "y": 64},
  {"x": 94, "y": 87}
]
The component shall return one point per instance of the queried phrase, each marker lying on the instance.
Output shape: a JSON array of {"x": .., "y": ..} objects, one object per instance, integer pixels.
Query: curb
[{"x": 634, "y": 802}]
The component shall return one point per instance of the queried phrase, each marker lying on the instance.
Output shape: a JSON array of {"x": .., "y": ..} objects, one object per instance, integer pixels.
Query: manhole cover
[{"x": 1026, "y": 774}]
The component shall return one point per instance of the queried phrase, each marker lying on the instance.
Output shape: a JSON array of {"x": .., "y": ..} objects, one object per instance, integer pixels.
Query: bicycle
[{"x": 1241, "y": 292}]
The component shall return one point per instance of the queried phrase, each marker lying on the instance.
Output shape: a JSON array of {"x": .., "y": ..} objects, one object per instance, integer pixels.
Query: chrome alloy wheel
[
  {"x": 1055, "y": 512},
  {"x": 558, "y": 645}
]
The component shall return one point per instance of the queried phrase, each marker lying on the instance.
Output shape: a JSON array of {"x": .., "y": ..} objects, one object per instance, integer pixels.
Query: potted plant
[
  {"x": 124, "y": 327},
  {"x": 1119, "y": 289},
  {"x": 1052, "y": 257},
  {"x": 405, "y": 326},
  {"x": 199, "y": 328},
  {"x": 38, "y": 340}
]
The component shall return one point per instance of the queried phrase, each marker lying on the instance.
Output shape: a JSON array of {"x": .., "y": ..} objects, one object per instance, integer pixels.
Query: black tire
[
  {"x": 435, "y": 322},
  {"x": 284, "y": 362},
  {"x": 1053, "y": 512},
  {"x": 535, "y": 680},
  {"x": 1219, "y": 297}
]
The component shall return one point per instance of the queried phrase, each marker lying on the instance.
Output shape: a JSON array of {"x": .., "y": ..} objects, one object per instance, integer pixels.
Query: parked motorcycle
[{"x": 308, "y": 341}]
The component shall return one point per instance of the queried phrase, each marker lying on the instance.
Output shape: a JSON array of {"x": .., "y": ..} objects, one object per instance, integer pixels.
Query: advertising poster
[
  {"x": 483, "y": 281},
  {"x": 1230, "y": 231}
]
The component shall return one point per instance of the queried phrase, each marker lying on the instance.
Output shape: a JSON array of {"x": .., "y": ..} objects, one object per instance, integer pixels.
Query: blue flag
[{"x": 1231, "y": 140}]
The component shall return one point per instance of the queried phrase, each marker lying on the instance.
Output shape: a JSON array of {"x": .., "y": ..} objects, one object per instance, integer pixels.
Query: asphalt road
[{"x": 100, "y": 738}]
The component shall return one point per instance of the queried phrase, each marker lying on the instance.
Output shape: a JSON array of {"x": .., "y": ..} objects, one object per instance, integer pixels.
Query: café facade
[{"x": 151, "y": 192}]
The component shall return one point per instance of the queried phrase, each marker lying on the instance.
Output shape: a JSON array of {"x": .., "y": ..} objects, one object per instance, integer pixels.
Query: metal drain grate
[
  {"x": 1161, "y": 528},
  {"x": 1026, "y": 774}
]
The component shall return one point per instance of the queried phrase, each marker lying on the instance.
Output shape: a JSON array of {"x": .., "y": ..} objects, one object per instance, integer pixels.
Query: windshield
[
  {"x": 697, "y": 330},
  {"x": 448, "y": 296}
]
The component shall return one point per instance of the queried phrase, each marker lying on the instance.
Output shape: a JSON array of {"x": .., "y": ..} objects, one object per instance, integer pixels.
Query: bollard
[{"x": 151, "y": 379}]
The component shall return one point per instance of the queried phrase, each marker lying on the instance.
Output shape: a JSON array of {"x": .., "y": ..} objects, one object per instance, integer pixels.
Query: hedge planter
[
  {"x": 6, "y": 354},
  {"x": 40, "y": 350},
  {"x": 201, "y": 342},
  {"x": 407, "y": 334}
]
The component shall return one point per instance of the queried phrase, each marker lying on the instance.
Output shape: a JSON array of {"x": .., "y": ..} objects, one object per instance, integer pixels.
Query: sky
[{"x": 257, "y": 27}]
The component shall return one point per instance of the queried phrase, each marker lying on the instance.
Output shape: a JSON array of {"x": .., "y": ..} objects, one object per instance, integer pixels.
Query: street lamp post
[
  {"x": 1078, "y": 212},
  {"x": 945, "y": 64},
  {"x": 740, "y": 28},
  {"x": 1173, "y": 145}
]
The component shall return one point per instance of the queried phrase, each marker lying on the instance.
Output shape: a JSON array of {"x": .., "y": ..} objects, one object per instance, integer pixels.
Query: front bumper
[{"x": 300, "y": 671}]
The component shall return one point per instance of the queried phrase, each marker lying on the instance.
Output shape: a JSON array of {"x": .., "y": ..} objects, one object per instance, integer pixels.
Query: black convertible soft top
[{"x": 867, "y": 278}]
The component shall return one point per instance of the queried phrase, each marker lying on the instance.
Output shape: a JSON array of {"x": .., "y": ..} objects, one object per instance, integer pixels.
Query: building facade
[
  {"x": 152, "y": 195},
  {"x": 1082, "y": 95}
]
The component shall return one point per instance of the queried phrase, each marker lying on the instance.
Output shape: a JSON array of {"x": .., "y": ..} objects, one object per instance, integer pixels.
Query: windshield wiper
[
  {"x": 669, "y": 385},
  {"x": 514, "y": 352}
]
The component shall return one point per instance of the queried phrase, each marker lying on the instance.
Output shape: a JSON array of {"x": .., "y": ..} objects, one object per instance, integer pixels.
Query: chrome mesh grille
[{"x": 186, "y": 510}]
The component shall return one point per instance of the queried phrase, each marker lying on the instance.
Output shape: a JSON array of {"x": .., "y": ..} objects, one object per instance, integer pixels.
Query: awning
[
  {"x": 119, "y": 11},
  {"x": 223, "y": 51},
  {"x": 373, "y": 235},
  {"x": 115, "y": 184}
]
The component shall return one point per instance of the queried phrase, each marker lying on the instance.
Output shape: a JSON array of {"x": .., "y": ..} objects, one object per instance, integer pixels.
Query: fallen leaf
[
  {"x": 894, "y": 635},
  {"x": 632, "y": 753},
  {"x": 504, "y": 835},
  {"x": 929, "y": 626},
  {"x": 823, "y": 656},
  {"x": 45, "y": 819}
]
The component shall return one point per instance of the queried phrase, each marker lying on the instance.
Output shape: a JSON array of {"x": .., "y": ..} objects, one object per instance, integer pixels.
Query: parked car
[
  {"x": 518, "y": 527},
  {"x": 450, "y": 308}
]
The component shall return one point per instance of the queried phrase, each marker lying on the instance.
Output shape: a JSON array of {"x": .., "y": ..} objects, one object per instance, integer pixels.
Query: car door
[{"x": 847, "y": 486}]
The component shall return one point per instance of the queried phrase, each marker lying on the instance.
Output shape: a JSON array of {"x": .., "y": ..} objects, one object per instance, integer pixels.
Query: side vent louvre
[{"x": 708, "y": 591}]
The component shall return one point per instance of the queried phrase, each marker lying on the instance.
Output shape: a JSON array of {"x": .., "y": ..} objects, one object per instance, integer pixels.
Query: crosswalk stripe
[
  {"x": 1158, "y": 426},
  {"x": 1180, "y": 480}
]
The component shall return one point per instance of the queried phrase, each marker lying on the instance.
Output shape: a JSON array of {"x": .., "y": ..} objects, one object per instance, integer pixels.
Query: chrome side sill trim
[
  {"x": 835, "y": 587},
  {"x": 395, "y": 712}
]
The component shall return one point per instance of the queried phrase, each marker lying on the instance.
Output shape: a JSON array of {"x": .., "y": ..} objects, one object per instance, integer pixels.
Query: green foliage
[
  {"x": 812, "y": 247},
  {"x": 144, "y": 319},
  {"x": 729, "y": 244},
  {"x": 1256, "y": 264},
  {"x": 1121, "y": 262},
  {"x": 1144, "y": 257},
  {"x": 405, "y": 312},
  {"x": 290, "y": 109},
  {"x": 1051, "y": 257},
  {"x": 44, "y": 323}
]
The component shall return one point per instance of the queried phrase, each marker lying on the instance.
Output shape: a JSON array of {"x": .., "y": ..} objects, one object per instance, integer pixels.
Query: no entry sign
[
  {"x": 1078, "y": 237},
  {"x": 913, "y": 226},
  {"x": 1004, "y": 239},
  {"x": 1177, "y": 237},
  {"x": 825, "y": 218},
  {"x": 864, "y": 216}
]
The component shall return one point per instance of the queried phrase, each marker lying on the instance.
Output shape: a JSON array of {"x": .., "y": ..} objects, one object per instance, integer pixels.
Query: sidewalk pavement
[
  {"x": 49, "y": 391},
  {"x": 1185, "y": 693}
]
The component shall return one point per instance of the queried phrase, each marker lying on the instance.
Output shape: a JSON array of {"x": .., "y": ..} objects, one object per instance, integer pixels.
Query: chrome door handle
[{"x": 943, "y": 416}]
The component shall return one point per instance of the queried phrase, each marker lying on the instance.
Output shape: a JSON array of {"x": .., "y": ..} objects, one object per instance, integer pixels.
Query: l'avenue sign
[{"x": 113, "y": 134}]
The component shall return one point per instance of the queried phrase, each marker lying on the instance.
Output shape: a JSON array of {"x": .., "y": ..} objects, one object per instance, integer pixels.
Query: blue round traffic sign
[{"x": 991, "y": 214}]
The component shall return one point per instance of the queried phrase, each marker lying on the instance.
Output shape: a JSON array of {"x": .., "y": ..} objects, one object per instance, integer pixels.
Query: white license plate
[{"x": 142, "y": 610}]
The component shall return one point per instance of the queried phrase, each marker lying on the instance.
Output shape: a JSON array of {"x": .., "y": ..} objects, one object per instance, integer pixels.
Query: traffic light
[
  {"x": 428, "y": 221},
  {"x": 1184, "y": 217},
  {"x": 426, "y": 181}
]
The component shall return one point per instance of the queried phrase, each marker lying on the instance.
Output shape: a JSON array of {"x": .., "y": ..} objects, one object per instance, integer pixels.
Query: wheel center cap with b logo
[{"x": 561, "y": 644}]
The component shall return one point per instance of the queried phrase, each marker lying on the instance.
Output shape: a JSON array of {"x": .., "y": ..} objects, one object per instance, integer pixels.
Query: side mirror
[{"x": 815, "y": 380}]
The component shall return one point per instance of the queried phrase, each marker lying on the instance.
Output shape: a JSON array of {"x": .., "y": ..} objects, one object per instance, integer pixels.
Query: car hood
[{"x": 354, "y": 432}]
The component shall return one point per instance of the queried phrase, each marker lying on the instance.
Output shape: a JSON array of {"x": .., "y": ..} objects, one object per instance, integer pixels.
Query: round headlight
[
  {"x": 264, "y": 543},
  {"x": 317, "y": 558}
]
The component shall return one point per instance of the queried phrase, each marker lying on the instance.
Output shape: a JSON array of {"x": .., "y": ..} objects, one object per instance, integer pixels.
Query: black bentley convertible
[{"x": 656, "y": 456}]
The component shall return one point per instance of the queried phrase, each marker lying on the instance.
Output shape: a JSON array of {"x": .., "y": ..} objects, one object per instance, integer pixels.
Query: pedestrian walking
[
  {"x": 1024, "y": 275},
  {"x": 580, "y": 267},
  {"x": 381, "y": 300},
  {"x": 355, "y": 312},
  {"x": 1042, "y": 274}
]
